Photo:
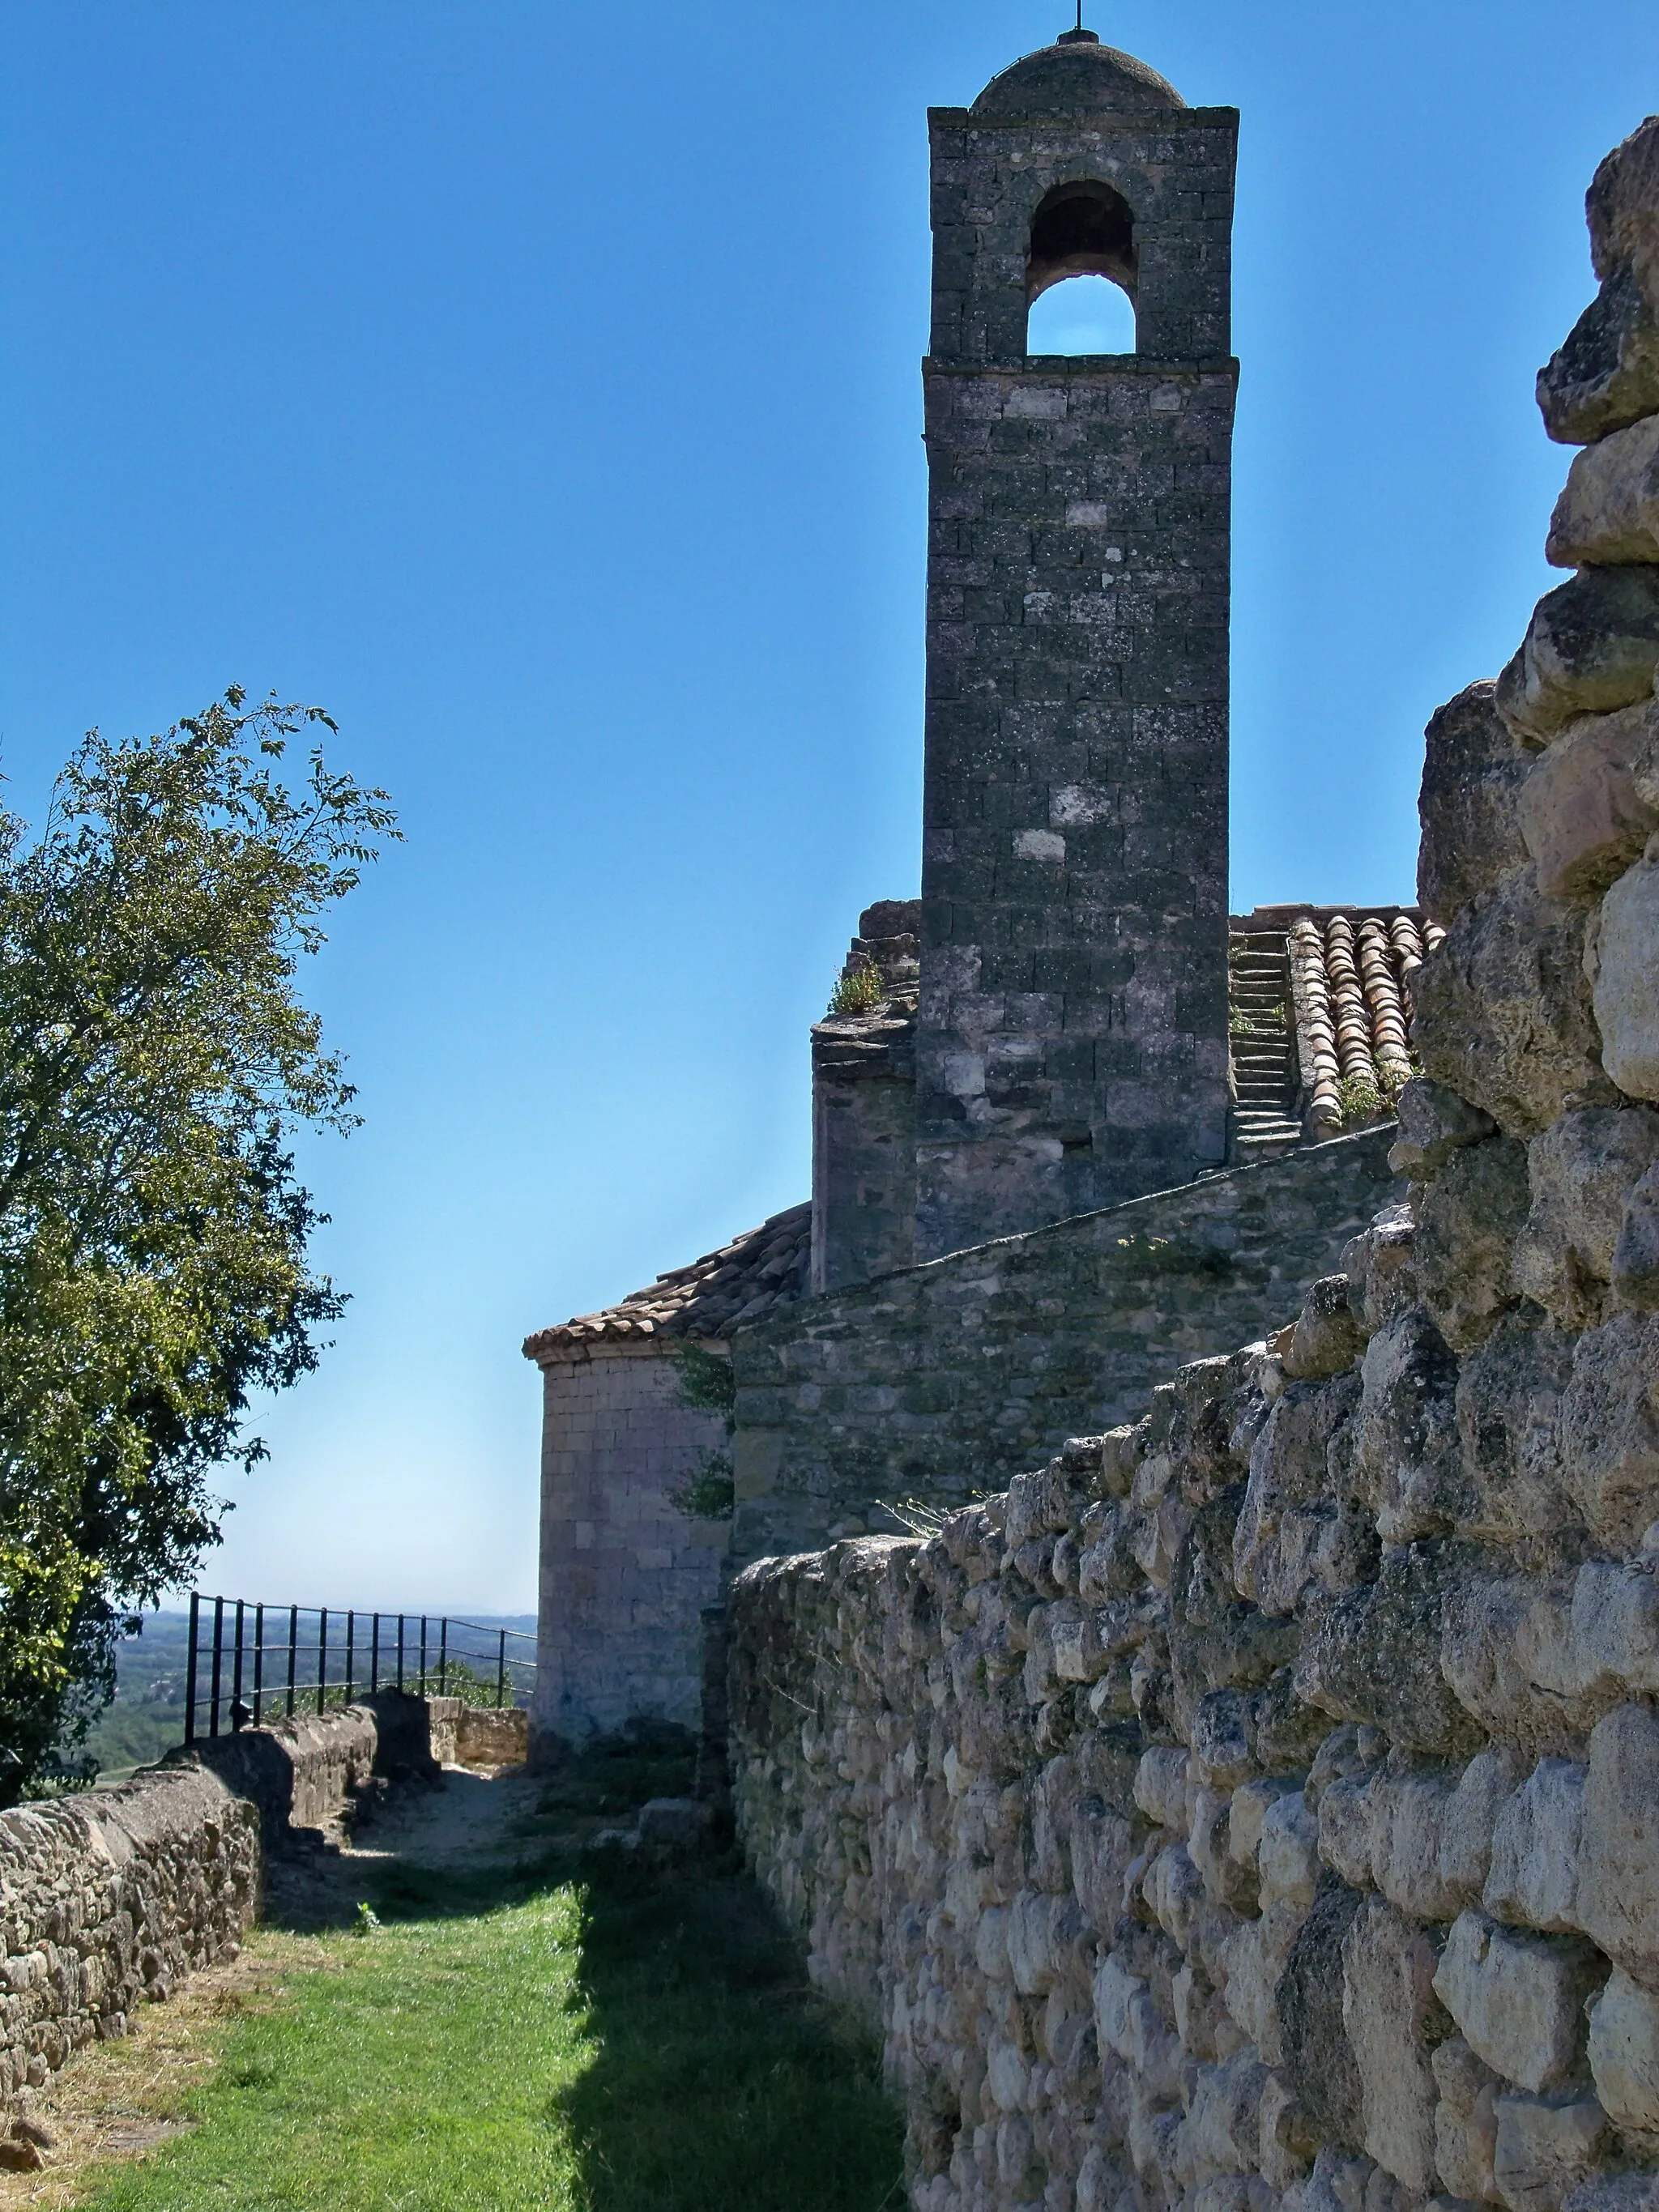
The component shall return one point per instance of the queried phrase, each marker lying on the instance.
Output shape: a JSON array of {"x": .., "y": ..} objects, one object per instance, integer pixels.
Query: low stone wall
[
  {"x": 950, "y": 1378},
  {"x": 478, "y": 1735},
  {"x": 111, "y": 1898}
]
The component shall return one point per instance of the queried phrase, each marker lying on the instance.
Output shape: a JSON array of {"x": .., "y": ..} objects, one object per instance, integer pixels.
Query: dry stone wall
[
  {"x": 1258, "y": 1807},
  {"x": 112, "y": 1898}
]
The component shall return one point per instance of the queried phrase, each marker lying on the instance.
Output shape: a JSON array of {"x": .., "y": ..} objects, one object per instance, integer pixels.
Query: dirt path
[{"x": 121, "y": 2099}]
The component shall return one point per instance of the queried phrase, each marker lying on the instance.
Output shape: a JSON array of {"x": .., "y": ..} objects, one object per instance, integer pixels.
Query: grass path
[{"x": 547, "y": 2033}]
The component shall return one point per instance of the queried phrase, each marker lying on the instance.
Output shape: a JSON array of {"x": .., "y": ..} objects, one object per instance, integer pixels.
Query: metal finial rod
[{"x": 1080, "y": 14}]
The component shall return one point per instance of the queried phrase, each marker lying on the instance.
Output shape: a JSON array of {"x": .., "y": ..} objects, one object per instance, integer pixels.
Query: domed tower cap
[{"x": 1077, "y": 76}]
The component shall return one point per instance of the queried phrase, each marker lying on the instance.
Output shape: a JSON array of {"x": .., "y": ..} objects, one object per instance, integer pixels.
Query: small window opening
[{"x": 1080, "y": 273}]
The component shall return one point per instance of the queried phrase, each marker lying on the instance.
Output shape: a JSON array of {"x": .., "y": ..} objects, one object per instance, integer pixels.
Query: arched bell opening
[{"x": 1083, "y": 250}]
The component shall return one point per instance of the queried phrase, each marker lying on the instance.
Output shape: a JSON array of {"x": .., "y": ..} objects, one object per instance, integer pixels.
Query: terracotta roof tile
[{"x": 762, "y": 1269}]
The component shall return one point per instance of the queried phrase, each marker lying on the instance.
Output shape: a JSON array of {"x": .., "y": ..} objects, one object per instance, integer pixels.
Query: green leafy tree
[{"x": 155, "y": 1061}]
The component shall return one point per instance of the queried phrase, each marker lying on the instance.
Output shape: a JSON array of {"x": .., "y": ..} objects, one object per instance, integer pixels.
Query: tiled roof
[
  {"x": 1350, "y": 977},
  {"x": 762, "y": 1268}
]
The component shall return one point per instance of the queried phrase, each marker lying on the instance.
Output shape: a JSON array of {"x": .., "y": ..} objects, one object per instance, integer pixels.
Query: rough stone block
[
  {"x": 1544, "y": 2148},
  {"x": 1623, "y": 2051},
  {"x": 1534, "y": 1878},
  {"x": 1581, "y": 1171},
  {"x": 1465, "y": 2120},
  {"x": 1472, "y": 771},
  {"x": 1467, "y": 1218},
  {"x": 1517, "y": 2000},
  {"x": 1625, "y": 955},
  {"x": 1617, "y": 1891},
  {"x": 1582, "y": 814},
  {"x": 1608, "y": 510},
  {"x": 1503, "y": 1007},
  {"x": 1592, "y": 646},
  {"x": 1390, "y": 2014}
]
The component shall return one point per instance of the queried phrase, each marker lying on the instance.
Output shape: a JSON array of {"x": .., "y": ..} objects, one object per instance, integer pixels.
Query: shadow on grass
[{"x": 719, "y": 2081}]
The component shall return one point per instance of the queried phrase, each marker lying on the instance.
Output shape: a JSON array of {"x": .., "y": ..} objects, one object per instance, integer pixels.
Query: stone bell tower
[{"x": 1072, "y": 1035}]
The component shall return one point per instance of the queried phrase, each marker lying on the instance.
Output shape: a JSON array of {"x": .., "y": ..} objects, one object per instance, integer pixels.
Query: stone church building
[{"x": 1079, "y": 1125}]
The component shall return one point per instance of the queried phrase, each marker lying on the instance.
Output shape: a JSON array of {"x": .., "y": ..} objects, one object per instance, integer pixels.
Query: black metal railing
[{"x": 249, "y": 1661}]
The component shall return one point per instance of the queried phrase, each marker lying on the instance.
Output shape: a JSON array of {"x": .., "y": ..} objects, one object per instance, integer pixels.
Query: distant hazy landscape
[{"x": 147, "y": 1717}]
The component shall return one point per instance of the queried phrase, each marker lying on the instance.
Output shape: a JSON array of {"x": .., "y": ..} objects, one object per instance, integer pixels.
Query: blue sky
[{"x": 536, "y": 387}]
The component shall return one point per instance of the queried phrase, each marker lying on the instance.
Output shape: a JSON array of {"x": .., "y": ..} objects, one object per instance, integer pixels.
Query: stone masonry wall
[
  {"x": 112, "y": 1897},
  {"x": 1257, "y": 1808},
  {"x": 109, "y": 1898},
  {"x": 950, "y": 1378},
  {"x": 624, "y": 1573}
]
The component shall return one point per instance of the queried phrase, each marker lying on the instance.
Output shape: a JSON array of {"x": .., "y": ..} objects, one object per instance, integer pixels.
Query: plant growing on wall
[
  {"x": 859, "y": 989},
  {"x": 706, "y": 1384},
  {"x": 157, "y": 1059}
]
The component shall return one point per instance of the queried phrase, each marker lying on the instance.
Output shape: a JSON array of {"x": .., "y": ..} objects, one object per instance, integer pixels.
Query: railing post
[
  {"x": 500, "y": 1673},
  {"x": 259, "y": 1662},
  {"x": 322, "y": 1658},
  {"x": 423, "y": 1655},
  {"x": 190, "y": 1666},
  {"x": 351, "y": 1649},
  {"x": 293, "y": 1653},
  {"x": 218, "y": 1647},
  {"x": 400, "y": 1652},
  {"x": 443, "y": 1654},
  {"x": 374, "y": 1656},
  {"x": 236, "y": 1671}
]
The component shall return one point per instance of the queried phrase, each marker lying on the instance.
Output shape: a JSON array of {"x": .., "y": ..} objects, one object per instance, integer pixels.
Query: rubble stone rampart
[{"x": 1257, "y": 1806}]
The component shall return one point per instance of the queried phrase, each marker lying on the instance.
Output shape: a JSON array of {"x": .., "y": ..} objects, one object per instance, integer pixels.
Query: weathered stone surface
[
  {"x": 1618, "y": 1894},
  {"x": 1407, "y": 1461},
  {"x": 1467, "y": 1218},
  {"x": 1517, "y": 2000},
  {"x": 1472, "y": 771},
  {"x": 1393, "y": 2021},
  {"x": 1544, "y": 2148},
  {"x": 1608, "y": 510},
  {"x": 1434, "y": 1123},
  {"x": 1503, "y": 1007},
  {"x": 1372, "y": 1655},
  {"x": 1622, "y": 209},
  {"x": 1379, "y": 1266},
  {"x": 1465, "y": 2120},
  {"x": 1534, "y": 1878},
  {"x": 1623, "y": 2051},
  {"x": 1635, "y": 1273},
  {"x": 1592, "y": 646},
  {"x": 1626, "y": 980},
  {"x": 1610, "y": 1430},
  {"x": 1508, "y": 1406},
  {"x": 1318, "y": 2056},
  {"x": 1327, "y": 1336},
  {"x": 1605, "y": 376},
  {"x": 942, "y": 1381},
  {"x": 1583, "y": 815},
  {"x": 1581, "y": 1171}
]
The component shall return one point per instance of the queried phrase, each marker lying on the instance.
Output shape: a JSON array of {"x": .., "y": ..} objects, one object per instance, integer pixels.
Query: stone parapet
[{"x": 946, "y": 1379}]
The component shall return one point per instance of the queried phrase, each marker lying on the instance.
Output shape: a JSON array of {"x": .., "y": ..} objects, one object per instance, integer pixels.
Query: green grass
[{"x": 622, "y": 2042}]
